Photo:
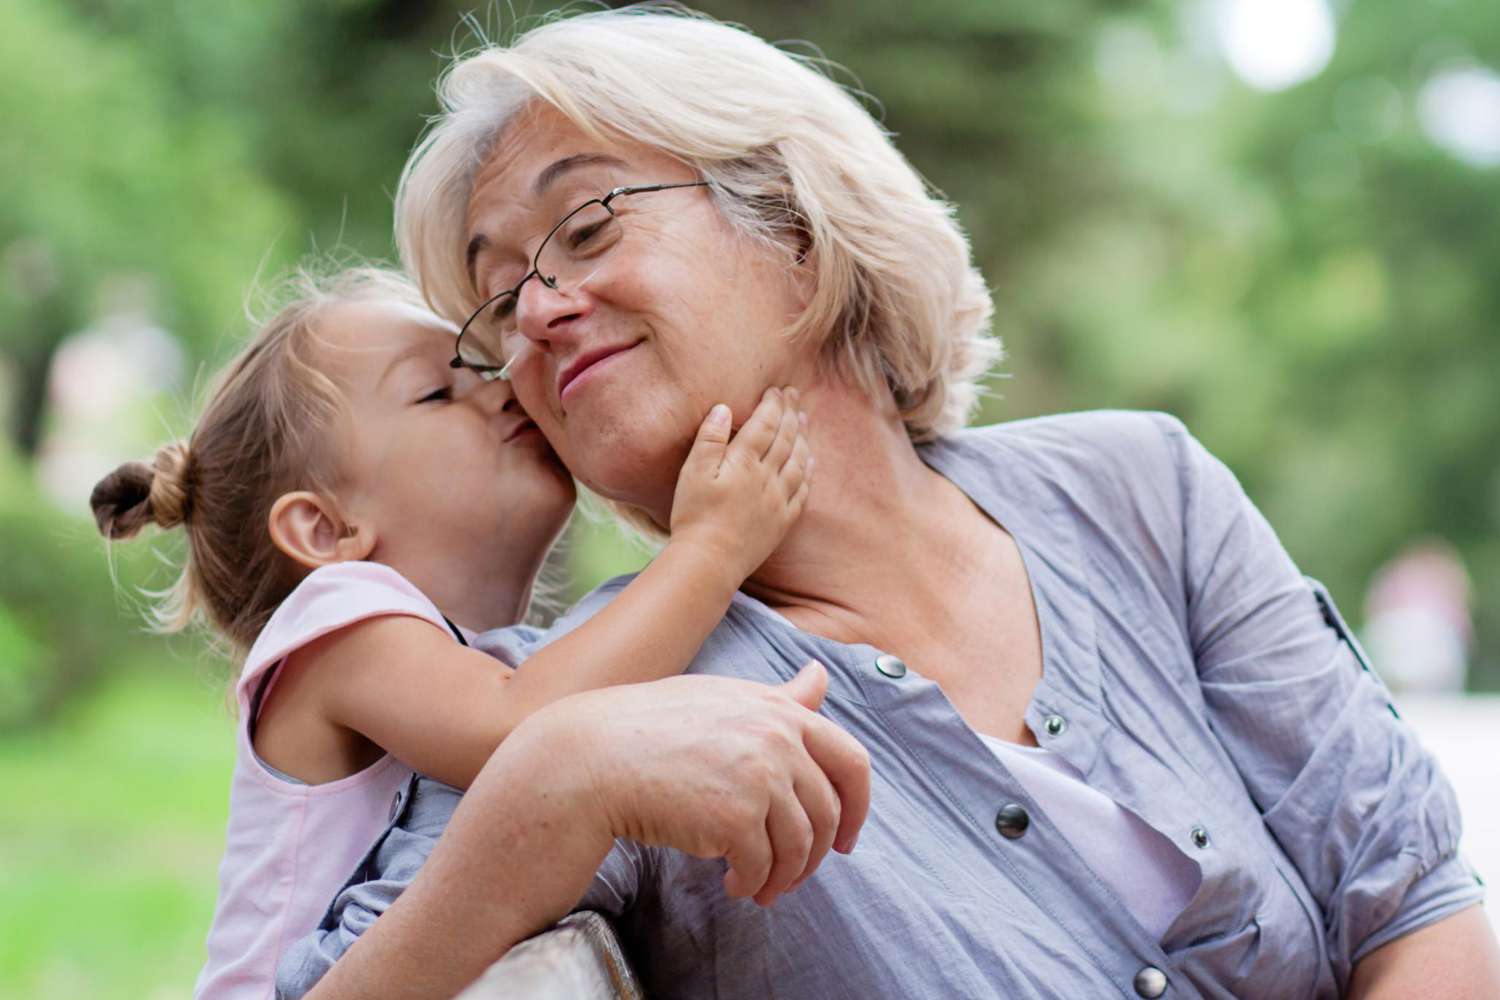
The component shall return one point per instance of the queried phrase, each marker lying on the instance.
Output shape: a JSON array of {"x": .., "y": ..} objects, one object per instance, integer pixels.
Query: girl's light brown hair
[{"x": 268, "y": 428}]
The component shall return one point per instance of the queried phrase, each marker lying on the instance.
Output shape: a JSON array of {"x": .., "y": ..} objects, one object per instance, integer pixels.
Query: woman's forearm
[
  {"x": 693, "y": 763},
  {"x": 518, "y": 854},
  {"x": 1454, "y": 959}
]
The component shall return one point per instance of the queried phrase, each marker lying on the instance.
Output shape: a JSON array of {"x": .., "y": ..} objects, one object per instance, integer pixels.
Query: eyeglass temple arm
[
  {"x": 505, "y": 368},
  {"x": 644, "y": 188}
]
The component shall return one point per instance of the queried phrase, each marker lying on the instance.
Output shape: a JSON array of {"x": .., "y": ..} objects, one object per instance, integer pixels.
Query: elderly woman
[{"x": 1118, "y": 744}]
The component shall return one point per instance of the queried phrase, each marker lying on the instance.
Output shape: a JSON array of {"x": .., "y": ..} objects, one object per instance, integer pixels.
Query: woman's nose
[{"x": 544, "y": 313}]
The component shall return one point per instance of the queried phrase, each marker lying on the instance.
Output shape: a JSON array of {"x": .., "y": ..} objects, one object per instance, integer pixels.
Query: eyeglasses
[{"x": 572, "y": 253}]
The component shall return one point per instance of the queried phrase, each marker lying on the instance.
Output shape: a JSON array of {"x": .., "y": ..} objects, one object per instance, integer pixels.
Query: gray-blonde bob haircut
[{"x": 792, "y": 156}]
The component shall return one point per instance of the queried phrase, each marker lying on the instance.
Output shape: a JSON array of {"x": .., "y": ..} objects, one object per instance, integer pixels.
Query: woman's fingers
[
  {"x": 846, "y": 763},
  {"x": 791, "y": 835},
  {"x": 749, "y": 858},
  {"x": 821, "y": 805}
]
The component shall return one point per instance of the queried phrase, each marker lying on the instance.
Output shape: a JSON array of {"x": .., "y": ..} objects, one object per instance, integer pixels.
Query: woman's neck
[{"x": 873, "y": 530}]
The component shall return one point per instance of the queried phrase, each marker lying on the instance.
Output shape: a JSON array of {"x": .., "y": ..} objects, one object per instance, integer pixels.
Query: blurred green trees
[{"x": 1301, "y": 276}]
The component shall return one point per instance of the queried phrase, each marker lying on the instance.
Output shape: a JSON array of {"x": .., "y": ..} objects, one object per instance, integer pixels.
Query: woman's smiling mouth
[{"x": 585, "y": 368}]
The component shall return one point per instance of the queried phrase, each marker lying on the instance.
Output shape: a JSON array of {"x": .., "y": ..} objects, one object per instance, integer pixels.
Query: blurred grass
[
  {"x": 112, "y": 838},
  {"x": 113, "y": 833}
]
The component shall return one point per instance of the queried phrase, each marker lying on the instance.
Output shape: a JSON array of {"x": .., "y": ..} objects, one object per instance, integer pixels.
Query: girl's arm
[
  {"x": 402, "y": 684},
  {"x": 733, "y": 505}
]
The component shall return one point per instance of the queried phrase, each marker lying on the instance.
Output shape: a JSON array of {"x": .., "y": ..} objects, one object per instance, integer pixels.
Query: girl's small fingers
[
  {"x": 787, "y": 433},
  {"x": 757, "y": 433},
  {"x": 798, "y": 464},
  {"x": 799, "y": 499}
]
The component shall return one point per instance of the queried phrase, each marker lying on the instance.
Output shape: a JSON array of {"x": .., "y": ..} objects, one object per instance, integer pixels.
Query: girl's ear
[{"x": 310, "y": 530}]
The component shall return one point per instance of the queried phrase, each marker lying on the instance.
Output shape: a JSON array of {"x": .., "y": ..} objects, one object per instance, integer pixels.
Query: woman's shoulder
[
  {"x": 1097, "y": 452},
  {"x": 1087, "y": 436}
]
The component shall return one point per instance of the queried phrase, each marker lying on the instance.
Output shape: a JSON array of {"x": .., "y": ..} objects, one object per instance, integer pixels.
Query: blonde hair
[
  {"x": 266, "y": 430},
  {"x": 793, "y": 157}
]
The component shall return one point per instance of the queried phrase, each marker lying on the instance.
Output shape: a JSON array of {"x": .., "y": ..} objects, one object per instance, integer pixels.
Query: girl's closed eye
[{"x": 441, "y": 394}]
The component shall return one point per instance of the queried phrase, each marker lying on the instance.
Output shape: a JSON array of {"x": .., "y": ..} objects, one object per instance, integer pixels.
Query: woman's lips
[{"x": 581, "y": 375}]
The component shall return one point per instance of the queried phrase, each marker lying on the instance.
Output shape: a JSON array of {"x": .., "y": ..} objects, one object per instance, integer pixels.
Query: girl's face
[{"x": 448, "y": 470}]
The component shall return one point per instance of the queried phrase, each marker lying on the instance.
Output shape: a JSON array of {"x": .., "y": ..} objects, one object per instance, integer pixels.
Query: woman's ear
[{"x": 310, "y": 531}]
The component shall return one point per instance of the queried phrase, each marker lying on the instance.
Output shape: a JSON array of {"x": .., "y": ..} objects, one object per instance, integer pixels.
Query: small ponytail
[{"x": 136, "y": 494}]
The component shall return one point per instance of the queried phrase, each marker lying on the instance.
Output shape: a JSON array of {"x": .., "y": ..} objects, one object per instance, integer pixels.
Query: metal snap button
[
  {"x": 1199, "y": 835},
  {"x": 1150, "y": 982},
  {"x": 890, "y": 666},
  {"x": 1055, "y": 724},
  {"x": 1012, "y": 821}
]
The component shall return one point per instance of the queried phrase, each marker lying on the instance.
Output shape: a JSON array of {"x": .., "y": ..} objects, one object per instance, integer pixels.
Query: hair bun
[
  {"x": 169, "y": 486},
  {"x": 136, "y": 493}
]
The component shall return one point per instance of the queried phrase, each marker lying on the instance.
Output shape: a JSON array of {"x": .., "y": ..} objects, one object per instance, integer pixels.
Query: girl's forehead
[
  {"x": 360, "y": 340},
  {"x": 377, "y": 326}
]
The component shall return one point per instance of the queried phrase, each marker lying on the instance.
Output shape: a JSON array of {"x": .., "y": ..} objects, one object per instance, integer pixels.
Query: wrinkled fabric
[{"x": 1203, "y": 685}]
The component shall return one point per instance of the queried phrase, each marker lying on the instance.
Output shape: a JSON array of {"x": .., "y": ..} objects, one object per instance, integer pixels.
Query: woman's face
[{"x": 683, "y": 313}]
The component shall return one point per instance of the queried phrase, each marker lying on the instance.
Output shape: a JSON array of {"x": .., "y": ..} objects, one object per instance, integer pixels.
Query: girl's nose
[{"x": 495, "y": 396}]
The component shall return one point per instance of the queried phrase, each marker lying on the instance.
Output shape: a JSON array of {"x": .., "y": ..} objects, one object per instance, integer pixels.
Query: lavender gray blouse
[{"x": 1190, "y": 672}]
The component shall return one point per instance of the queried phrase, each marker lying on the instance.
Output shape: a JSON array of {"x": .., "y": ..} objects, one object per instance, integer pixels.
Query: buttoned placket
[{"x": 1025, "y": 846}]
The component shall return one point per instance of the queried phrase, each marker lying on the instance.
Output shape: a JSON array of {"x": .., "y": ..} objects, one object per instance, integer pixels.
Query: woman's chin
[{"x": 635, "y": 479}]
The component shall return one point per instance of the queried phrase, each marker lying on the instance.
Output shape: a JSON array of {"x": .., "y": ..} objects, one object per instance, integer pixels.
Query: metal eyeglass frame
[{"x": 489, "y": 372}]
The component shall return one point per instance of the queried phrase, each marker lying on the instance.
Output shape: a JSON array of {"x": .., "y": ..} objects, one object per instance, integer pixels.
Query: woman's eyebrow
[
  {"x": 555, "y": 171},
  {"x": 550, "y": 175}
]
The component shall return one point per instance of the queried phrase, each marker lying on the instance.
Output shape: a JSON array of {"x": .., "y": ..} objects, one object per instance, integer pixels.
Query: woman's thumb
[{"x": 809, "y": 686}]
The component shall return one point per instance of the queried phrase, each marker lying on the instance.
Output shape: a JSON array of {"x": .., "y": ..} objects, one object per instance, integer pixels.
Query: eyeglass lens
[{"x": 574, "y": 252}]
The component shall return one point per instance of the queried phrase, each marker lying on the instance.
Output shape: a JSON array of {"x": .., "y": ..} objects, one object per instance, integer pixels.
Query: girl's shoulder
[{"x": 330, "y": 598}]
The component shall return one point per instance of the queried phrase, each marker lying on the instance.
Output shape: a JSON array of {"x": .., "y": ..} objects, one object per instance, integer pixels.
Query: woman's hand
[
  {"x": 712, "y": 766},
  {"x": 725, "y": 768}
]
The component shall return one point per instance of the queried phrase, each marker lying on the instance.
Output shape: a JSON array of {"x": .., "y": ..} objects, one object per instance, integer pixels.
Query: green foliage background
[{"x": 1301, "y": 276}]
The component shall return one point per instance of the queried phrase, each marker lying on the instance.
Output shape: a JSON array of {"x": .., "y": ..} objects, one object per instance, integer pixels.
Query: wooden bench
[{"x": 579, "y": 959}]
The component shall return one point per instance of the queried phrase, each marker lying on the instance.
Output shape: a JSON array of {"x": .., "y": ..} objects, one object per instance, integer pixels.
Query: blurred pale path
[{"x": 1463, "y": 732}]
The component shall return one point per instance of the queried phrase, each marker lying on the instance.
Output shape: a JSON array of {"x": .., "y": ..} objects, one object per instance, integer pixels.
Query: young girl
[{"x": 357, "y": 510}]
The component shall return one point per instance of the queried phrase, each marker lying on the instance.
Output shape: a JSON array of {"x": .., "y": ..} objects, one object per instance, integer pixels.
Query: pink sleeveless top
[{"x": 290, "y": 846}]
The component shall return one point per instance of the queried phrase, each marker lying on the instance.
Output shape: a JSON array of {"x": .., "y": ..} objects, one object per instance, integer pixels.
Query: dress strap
[{"x": 456, "y": 633}]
